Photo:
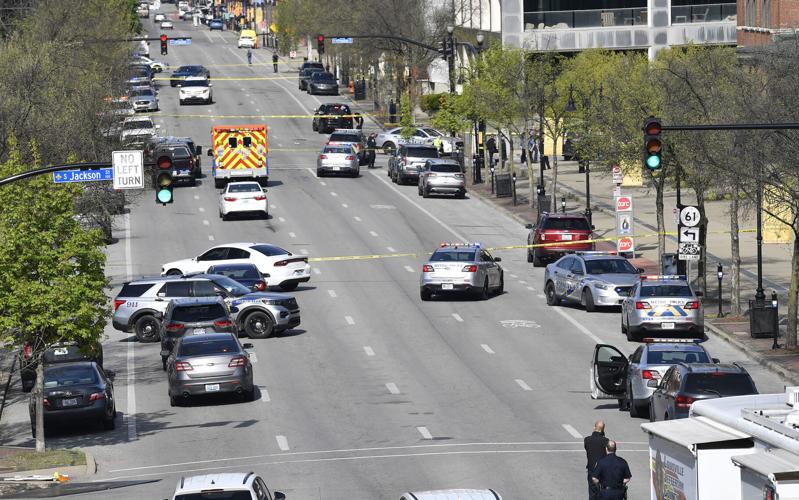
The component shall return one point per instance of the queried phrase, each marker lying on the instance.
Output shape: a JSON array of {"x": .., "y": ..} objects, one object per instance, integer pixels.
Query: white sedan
[
  {"x": 390, "y": 139},
  {"x": 281, "y": 267},
  {"x": 156, "y": 66},
  {"x": 243, "y": 198},
  {"x": 159, "y": 17},
  {"x": 167, "y": 25}
]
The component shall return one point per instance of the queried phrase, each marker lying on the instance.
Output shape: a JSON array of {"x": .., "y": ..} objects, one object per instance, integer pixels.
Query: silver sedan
[
  {"x": 338, "y": 159},
  {"x": 461, "y": 267},
  {"x": 144, "y": 99}
]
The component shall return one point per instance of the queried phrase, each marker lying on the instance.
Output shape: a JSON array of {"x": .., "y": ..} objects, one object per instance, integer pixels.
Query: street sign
[
  {"x": 689, "y": 234},
  {"x": 617, "y": 174},
  {"x": 625, "y": 244},
  {"x": 689, "y": 251},
  {"x": 624, "y": 203},
  {"x": 616, "y": 190},
  {"x": 128, "y": 169},
  {"x": 180, "y": 41},
  {"x": 292, "y": 54},
  {"x": 689, "y": 216},
  {"x": 624, "y": 224},
  {"x": 341, "y": 40},
  {"x": 102, "y": 174}
]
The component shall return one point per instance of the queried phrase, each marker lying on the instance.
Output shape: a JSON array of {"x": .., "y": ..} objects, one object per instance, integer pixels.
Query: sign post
[
  {"x": 625, "y": 228},
  {"x": 128, "y": 169}
]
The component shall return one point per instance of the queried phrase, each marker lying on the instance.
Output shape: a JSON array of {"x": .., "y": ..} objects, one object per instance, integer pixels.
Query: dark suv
[
  {"x": 305, "y": 75},
  {"x": 184, "y": 72},
  {"x": 194, "y": 316},
  {"x": 558, "y": 234},
  {"x": 685, "y": 383},
  {"x": 329, "y": 117},
  {"x": 184, "y": 165}
]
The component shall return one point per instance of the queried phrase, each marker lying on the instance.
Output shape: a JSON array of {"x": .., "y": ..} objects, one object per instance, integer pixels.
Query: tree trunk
[
  {"x": 702, "y": 267},
  {"x": 735, "y": 251},
  {"x": 790, "y": 335},
  {"x": 39, "y": 402}
]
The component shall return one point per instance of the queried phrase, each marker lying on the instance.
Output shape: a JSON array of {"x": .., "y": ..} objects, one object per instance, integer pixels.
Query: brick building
[{"x": 760, "y": 21}]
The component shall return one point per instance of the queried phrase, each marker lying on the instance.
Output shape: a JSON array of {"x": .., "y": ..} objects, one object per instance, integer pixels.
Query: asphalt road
[{"x": 376, "y": 393}]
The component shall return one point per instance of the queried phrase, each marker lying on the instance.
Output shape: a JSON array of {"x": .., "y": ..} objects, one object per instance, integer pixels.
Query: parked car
[
  {"x": 391, "y": 138},
  {"x": 144, "y": 99},
  {"x": 338, "y": 159},
  {"x": 194, "y": 316},
  {"x": 246, "y": 274},
  {"x": 216, "y": 24},
  {"x": 184, "y": 167},
  {"x": 155, "y": 66},
  {"x": 406, "y": 163},
  {"x": 234, "y": 486},
  {"x": 556, "y": 235},
  {"x": 353, "y": 137},
  {"x": 62, "y": 352},
  {"x": 138, "y": 126},
  {"x": 214, "y": 363},
  {"x": 461, "y": 268},
  {"x": 195, "y": 89},
  {"x": 305, "y": 75},
  {"x": 167, "y": 25},
  {"x": 442, "y": 176},
  {"x": 76, "y": 392}
]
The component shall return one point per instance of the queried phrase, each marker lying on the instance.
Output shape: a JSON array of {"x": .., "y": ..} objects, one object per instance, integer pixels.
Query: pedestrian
[
  {"x": 533, "y": 149},
  {"x": 594, "y": 445},
  {"x": 439, "y": 145},
  {"x": 358, "y": 120},
  {"x": 491, "y": 144},
  {"x": 392, "y": 111},
  {"x": 612, "y": 474},
  {"x": 274, "y": 61},
  {"x": 371, "y": 149},
  {"x": 523, "y": 157},
  {"x": 249, "y": 56},
  {"x": 544, "y": 158},
  {"x": 504, "y": 151}
]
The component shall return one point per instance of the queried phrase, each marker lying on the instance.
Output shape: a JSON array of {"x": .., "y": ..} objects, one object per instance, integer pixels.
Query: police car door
[
  {"x": 608, "y": 373},
  {"x": 574, "y": 276},
  {"x": 491, "y": 268},
  {"x": 562, "y": 270}
]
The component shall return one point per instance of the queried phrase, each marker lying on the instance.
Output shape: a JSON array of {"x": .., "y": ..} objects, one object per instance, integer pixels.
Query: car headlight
[
  {"x": 273, "y": 302},
  {"x": 602, "y": 286}
]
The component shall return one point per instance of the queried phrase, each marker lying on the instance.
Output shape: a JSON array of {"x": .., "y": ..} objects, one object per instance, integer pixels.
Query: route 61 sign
[{"x": 689, "y": 216}]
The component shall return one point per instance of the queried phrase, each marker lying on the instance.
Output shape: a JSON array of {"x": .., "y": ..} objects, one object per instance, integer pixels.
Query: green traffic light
[
  {"x": 653, "y": 162},
  {"x": 164, "y": 195}
]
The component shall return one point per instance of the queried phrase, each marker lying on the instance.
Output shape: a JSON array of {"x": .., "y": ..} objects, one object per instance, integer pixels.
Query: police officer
[
  {"x": 438, "y": 144},
  {"x": 594, "y": 445},
  {"x": 371, "y": 145},
  {"x": 612, "y": 474},
  {"x": 274, "y": 61},
  {"x": 249, "y": 56}
]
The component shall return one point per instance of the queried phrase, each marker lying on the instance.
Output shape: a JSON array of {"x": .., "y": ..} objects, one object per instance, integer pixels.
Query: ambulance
[{"x": 239, "y": 152}]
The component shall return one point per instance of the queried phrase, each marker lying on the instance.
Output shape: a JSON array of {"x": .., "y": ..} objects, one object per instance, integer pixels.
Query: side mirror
[
  {"x": 653, "y": 383},
  {"x": 111, "y": 374},
  {"x": 529, "y": 226},
  {"x": 593, "y": 226},
  {"x": 247, "y": 346},
  {"x": 279, "y": 495},
  {"x": 210, "y": 84},
  {"x": 640, "y": 270},
  {"x": 716, "y": 360},
  {"x": 497, "y": 259},
  {"x": 210, "y": 152},
  {"x": 198, "y": 150},
  {"x": 699, "y": 294}
]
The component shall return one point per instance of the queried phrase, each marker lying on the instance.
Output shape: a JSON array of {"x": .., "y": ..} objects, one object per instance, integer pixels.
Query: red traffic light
[
  {"x": 164, "y": 162},
  {"x": 163, "y": 38},
  {"x": 321, "y": 38}
]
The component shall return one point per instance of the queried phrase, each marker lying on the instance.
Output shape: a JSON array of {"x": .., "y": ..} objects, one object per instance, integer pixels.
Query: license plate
[
  {"x": 69, "y": 402},
  {"x": 211, "y": 387},
  {"x": 667, "y": 326},
  {"x": 298, "y": 271},
  {"x": 198, "y": 331},
  {"x": 446, "y": 286},
  {"x": 565, "y": 237},
  {"x": 61, "y": 351},
  {"x": 336, "y": 168}
]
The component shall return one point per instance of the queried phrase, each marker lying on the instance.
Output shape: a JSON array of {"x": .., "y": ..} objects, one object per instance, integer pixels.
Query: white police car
[
  {"x": 662, "y": 304},
  {"x": 461, "y": 268}
]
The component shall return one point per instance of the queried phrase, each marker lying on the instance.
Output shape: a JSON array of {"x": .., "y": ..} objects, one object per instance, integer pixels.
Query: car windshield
[
  {"x": 566, "y": 224},
  {"x": 453, "y": 256},
  {"x": 216, "y": 495},
  {"x": 208, "y": 348},
  {"x": 433, "y": 132},
  {"x": 674, "y": 357},
  {"x": 195, "y": 83},
  {"x": 231, "y": 285},
  {"x": 445, "y": 168},
  {"x": 666, "y": 291},
  {"x": 138, "y": 124},
  {"x": 339, "y": 150},
  {"x": 270, "y": 250},
  {"x": 609, "y": 266},
  {"x": 338, "y": 137},
  {"x": 422, "y": 152},
  {"x": 64, "y": 376},
  {"x": 311, "y": 71},
  {"x": 188, "y": 69},
  {"x": 249, "y": 187},
  {"x": 719, "y": 384},
  {"x": 323, "y": 77},
  {"x": 142, "y": 92},
  {"x": 197, "y": 313}
]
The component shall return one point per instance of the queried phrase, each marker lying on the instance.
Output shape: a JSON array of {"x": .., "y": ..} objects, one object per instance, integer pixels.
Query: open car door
[{"x": 608, "y": 373}]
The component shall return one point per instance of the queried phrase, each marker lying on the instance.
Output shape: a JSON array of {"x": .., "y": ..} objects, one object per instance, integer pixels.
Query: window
[
  {"x": 566, "y": 263},
  {"x": 672, "y": 357},
  {"x": 197, "y": 313},
  {"x": 237, "y": 253},
  {"x": 720, "y": 384},
  {"x": 244, "y": 187},
  {"x": 232, "y": 142},
  {"x": 610, "y": 266},
  {"x": 577, "y": 266},
  {"x": 214, "y": 254},
  {"x": 208, "y": 348},
  {"x": 566, "y": 224},
  {"x": 176, "y": 289},
  {"x": 422, "y": 152},
  {"x": 636, "y": 357},
  {"x": 452, "y": 256},
  {"x": 765, "y": 14},
  {"x": 446, "y": 168},
  {"x": 130, "y": 290},
  {"x": 269, "y": 250},
  {"x": 204, "y": 289},
  {"x": 666, "y": 291},
  {"x": 248, "y": 142},
  {"x": 69, "y": 375}
]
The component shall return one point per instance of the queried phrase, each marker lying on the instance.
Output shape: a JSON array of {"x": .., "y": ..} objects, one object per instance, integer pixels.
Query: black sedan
[
  {"x": 182, "y": 72},
  {"x": 76, "y": 392},
  {"x": 323, "y": 83},
  {"x": 64, "y": 352},
  {"x": 246, "y": 274}
]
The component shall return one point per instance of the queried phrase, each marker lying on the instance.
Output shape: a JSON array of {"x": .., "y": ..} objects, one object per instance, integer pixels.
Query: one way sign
[{"x": 689, "y": 234}]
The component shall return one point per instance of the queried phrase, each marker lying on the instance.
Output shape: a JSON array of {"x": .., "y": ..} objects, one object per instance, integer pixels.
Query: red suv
[{"x": 557, "y": 232}]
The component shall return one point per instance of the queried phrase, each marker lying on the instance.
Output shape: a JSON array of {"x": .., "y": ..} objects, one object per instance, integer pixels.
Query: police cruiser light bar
[
  {"x": 596, "y": 252},
  {"x": 650, "y": 340},
  {"x": 456, "y": 245},
  {"x": 664, "y": 277}
]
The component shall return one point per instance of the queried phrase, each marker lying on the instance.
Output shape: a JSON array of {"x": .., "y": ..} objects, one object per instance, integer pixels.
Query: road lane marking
[
  {"x": 571, "y": 430},
  {"x": 206, "y": 223},
  {"x": 282, "y": 442},
  {"x": 273, "y": 206},
  {"x": 487, "y": 348},
  {"x": 409, "y": 269},
  {"x": 333, "y": 193},
  {"x": 265, "y": 395},
  {"x": 390, "y": 249},
  {"x": 457, "y": 317},
  {"x": 210, "y": 237},
  {"x": 196, "y": 196},
  {"x": 357, "y": 219},
  {"x": 303, "y": 251},
  {"x": 345, "y": 205},
  {"x": 531, "y": 289},
  {"x": 373, "y": 233},
  {"x": 513, "y": 276},
  {"x": 316, "y": 270},
  {"x": 424, "y": 432},
  {"x": 349, "y": 320},
  {"x": 522, "y": 282},
  {"x": 323, "y": 183},
  {"x": 332, "y": 293},
  {"x": 541, "y": 296},
  {"x": 202, "y": 209},
  {"x": 281, "y": 219},
  {"x": 130, "y": 415},
  {"x": 577, "y": 324},
  {"x": 368, "y": 350},
  {"x": 292, "y": 235},
  {"x": 523, "y": 384},
  {"x": 392, "y": 388}
]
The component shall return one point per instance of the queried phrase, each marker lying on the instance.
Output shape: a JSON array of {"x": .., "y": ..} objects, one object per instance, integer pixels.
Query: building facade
[{"x": 761, "y": 21}]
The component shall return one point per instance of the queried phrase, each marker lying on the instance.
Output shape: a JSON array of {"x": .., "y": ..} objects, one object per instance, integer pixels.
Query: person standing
[
  {"x": 544, "y": 158},
  {"x": 612, "y": 474},
  {"x": 249, "y": 56},
  {"x": 594, "y": 445},
  {"x": 491, "y": 145},
  {"x": 371, "y": 149},
  {"x": 274, "y": 61}
]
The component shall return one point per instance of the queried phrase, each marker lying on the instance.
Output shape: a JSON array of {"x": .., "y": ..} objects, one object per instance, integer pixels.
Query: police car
[
  {"x": 614, "y": 376},
  {"x": 662, "y": 304},
  {"x": 461, "y": 267},
  {"x": 458, "y": 494}
]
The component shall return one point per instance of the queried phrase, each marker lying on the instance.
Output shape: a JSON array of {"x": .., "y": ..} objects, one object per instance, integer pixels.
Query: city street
[{"x": 376, "y": 393}]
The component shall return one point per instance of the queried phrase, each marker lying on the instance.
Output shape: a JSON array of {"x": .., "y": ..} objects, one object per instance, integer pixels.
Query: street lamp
[
  {"x": 450, "y": 51},
  {"x": 775, "y": 305},
  {"x": 480, "y": 126},
  {"x": 492, "y": 177},
  {"x": 585, "y": 165},
  {"x": 720, "y": 274}
]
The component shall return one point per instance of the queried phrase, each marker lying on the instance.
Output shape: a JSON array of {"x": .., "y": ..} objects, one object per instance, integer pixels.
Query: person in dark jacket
[
  {"x": 595, "y": 446},
  {"x": 274, "y": 61},
  {"x": 371, "y": 149},
  {"x": 491, "y": 144},
  {"x": 612, "y": 474}
]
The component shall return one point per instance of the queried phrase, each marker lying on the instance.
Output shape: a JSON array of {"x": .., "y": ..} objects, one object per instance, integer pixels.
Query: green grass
[{"x": 23, "y": 460}]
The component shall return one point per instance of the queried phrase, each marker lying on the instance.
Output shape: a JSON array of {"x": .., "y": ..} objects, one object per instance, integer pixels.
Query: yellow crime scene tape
[
  {"x": 224, "y": 78},
  {"x": 246, "y": 117},
  {"x": 502, "y": 248}
]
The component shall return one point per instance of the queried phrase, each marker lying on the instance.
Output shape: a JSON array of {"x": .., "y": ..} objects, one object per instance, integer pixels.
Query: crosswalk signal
[
  {"x": 320, "y": 44},
  {"x": 163, "y": 45},
  {"x": 163, "y": 181},
  {"x": 653, "y": 144}
]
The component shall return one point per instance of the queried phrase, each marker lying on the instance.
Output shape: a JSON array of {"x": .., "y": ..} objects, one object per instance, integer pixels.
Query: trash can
[
  {"x": 544, "y": 204},
  {"x": 360, "y": 90},
  {"x": 763, "y": 320},
  {"x": 503, "y": 185},
  {"x": 671, "y": 264}
]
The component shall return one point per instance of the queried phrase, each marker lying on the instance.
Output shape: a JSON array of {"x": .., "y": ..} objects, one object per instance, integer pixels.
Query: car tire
[
  {"x": 181, "y": 102},
  {"x": 425, "y": 193},
  {"x": 314, "y": 127},
  {"x": 632, "y": 335},
  {"x": 588, "y": 300},
  {"x": 259, "y": 325},
  {"x": 461, "y": 195},
  {"x": 249, "y": 396},
  {"x": 357, "y": 173},
  {"x": 552, "y": 296},
  {"x": 485, "y": 293},
  {"x": 501, "y": 288},
  {"x": 163, "y": 362},
  {"x": 425, "y": 295},
  {"x": 174, "y": 401},
  {"x": 146, "y": 328},
  {"x": 219, "y": 183},
  {"x": 110, "y": 423},
  {"x": 389, "y": 147},
  {"x": 420, "y": 190},
  {"x": 537, "y": 261},
  {"x": 319, "y": 173},
  {"x": 635, "y": 410},
  {"x": 529, "y": 257},
  {"x": 174, "y": 272},
  {"x": 287, "y": 287},
  {"x": 193, "y": 181}
]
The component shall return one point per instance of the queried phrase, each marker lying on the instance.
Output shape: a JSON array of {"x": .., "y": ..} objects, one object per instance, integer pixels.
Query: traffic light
[
  {"x": 163, "y": 45},
  {"x": 163, "y": 181},
  {"x": 320, "y": 44},
  {"x": 653, "y": 144}
]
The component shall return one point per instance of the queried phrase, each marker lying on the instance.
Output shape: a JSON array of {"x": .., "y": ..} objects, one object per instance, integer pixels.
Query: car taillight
[
  {"x": 650, "y": 374},
  {"x": 230, "y": 198},
  {"x": 118, "y": 303},
  {"x": 469, "y": 269},
  {"x": 683, "y": 401},
  {"x": 183, "y": 366},
  {"x": 260, "y": 286},
  {"x": 97, "y": 396},
  {"x": 238, "y": 361},
  {"x": 174, "y": 327},
  {"x": 260, "y": 198},
  {"x": 431, "y": 174},
  {"x": 282, "y": 263},
  {"x": 191, "y": 162},
  {"x": 350, "y": 157},
  {"x": 27, "y": 351},
  {"x": 428, "y": 268},
  {"x": 323, "y": 157},
  {"x": 642, "y": 305},
  {"x": 692, "y": 305},
  {"x": 223, "y": 323}
]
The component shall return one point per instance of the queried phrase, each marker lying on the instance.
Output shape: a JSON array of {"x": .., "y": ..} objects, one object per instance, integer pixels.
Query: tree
[
  {"x": 407, "y": 121},
  {"x": 51, "y": 270}
]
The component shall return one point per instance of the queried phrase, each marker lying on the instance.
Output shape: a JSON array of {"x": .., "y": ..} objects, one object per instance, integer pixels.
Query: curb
[
  {"x": 91, "y": 464},
  {"x": 489, "y": 201},
  {"x": 762, "y": 360}
]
